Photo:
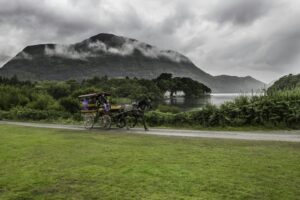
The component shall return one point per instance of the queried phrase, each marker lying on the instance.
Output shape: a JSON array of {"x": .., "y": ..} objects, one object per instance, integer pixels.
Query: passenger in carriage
[
  {"x": 104, "y": 102},
  {"x": 85, "y": 104}
]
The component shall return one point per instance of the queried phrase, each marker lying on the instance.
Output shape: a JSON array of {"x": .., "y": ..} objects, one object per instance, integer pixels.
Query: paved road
[{"x": 288, "y": 136}]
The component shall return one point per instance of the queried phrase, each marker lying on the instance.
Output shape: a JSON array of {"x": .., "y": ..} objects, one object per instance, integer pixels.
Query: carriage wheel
[
  {"x": 105, "y": 121},
  {"x": 121, "y": 123},
  {"x": 131, "y": 121},
  {"x": 88, "y": 121}
]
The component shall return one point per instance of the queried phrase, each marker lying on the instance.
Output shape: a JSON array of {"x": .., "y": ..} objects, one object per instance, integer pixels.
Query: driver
[{"x": 104, "y": 102}]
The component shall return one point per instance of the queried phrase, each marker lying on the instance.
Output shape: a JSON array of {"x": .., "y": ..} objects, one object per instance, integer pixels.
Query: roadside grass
[{"x": 40, "y": 163}]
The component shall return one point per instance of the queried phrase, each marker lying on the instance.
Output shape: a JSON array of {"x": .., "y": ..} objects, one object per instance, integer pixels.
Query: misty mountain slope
[
  {"x": 114, "y": 56},
  {"x": 226, "y": 83}
]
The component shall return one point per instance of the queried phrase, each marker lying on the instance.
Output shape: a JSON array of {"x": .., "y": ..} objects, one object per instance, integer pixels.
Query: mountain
[
  {"x": 288, "y": 82},
  {"x": 114, "y": 56}
]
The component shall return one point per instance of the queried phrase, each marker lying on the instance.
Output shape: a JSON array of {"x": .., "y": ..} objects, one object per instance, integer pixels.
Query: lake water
[{"x": 196, "y": 103}]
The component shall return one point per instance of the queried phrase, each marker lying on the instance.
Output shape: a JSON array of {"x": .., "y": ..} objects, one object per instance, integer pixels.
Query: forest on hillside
[{"x": 288, "y": 82}]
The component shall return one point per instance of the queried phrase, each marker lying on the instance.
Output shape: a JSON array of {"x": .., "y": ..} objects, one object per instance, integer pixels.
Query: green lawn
[{"x": 58, "y": 164}]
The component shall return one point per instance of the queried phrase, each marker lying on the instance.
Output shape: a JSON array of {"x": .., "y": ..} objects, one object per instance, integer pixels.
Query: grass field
[{"x": 59, "y": 164}]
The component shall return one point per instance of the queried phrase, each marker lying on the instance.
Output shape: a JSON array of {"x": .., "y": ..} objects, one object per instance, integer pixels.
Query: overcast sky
[{"x": 260, "y": 38}]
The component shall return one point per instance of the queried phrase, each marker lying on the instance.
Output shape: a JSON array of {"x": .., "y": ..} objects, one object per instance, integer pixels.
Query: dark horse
[{"x": 136, "y": 111}]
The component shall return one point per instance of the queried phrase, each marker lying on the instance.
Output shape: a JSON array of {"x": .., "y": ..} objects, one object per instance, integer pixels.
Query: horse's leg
[
  {"x": 126, "y": 121},
  {"x": 136, "y": 119},
  {"x": 144, "y": 122},
  {"x": 127, "y": 127}
]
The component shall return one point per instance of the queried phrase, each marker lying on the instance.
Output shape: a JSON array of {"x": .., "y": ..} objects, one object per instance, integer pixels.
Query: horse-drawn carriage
[{"x": 96, "y": 108}]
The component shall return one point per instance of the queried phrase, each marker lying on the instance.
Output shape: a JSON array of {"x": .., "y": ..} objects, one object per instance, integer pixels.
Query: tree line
[{"x": 51, "y": 99}]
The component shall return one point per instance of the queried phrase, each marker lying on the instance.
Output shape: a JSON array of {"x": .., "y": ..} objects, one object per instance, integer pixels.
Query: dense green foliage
[
  {"x": 55, "y": 100},
  {"x": 40, "y": 163},
  {"x": 190, "y": 87},
  {"x": 288, "y": 82},
  {"x": 49, "y": 100},
  {"x": 278, "y": 110}
]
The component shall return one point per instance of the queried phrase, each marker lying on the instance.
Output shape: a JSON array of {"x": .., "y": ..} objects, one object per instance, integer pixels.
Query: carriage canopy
[{"x": 93, "y": 95}]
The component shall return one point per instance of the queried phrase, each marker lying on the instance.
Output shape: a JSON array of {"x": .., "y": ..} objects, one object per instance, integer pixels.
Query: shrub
[
  {"x": 58, "y": 90},
  {"x": 43, "y": 102},
  {"x": 70, "y": 104},
  {"x": 21, "y": 113},
  {"x": 155, "y": 118},
  {"x": 4, "y": 114},
  {"x": 168, "y": 109},
  {"x": 12, "y": 96},
  {"x": 182, "y": 118}
]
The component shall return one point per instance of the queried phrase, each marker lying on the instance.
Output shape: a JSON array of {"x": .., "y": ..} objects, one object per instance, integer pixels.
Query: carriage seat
[{"x": 116, "y": 107}]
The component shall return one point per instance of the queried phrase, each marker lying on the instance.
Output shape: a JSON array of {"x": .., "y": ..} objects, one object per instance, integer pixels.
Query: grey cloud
[
  {"x": 239, "y": 37},
  {"x": 283, "y": 47},
  {"x": 179, "y": 16},
  {"x": 274, "y": 49},
  {"x": 34, "y": 17},
  {"x": 240, "y": 12}
]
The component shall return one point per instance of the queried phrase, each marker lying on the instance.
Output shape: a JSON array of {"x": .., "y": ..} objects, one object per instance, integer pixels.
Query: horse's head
[{"x": 144, "y": 104}]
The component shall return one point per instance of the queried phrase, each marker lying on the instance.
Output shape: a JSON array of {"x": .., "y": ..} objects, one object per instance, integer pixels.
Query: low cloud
[
  {"x": 98, "y": 47},
  {"x": 23, "y": 55},
  {"x": 130, "y": 46},
  {"x": 66, "y": 51}
]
